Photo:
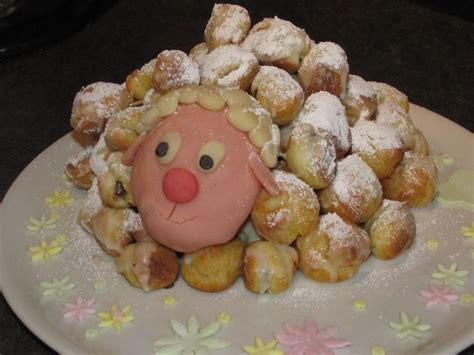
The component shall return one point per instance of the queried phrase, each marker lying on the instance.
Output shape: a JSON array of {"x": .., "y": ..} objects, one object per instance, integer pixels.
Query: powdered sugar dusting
[
  {"x": 226, "y": 65},
  {"x": 281, "y": 39},
  {"x": 370, "y": 137},
  {"x": 330, "y": 54},
  {"x": 324, "y": 111},
  {"x": 296, "y": 187},
  {"x": 343, "y": 234},
  {"x": 92, "y": 204},
  {"x": 355, "y": 183},
  {"x": 358, "y": 87},
  {"x": 235, "y": 25},
  {"x": 98, "y": 162},
  {"x": 76, "y": 159},
  {"x": 179, "y": 71},
  {"x": 101, "y": 97}
]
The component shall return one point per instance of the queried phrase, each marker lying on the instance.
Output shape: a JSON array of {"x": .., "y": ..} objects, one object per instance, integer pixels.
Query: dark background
[{"x": 424, "y": 48}]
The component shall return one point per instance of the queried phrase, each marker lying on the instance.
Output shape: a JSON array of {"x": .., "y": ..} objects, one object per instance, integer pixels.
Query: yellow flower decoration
[
  {"x": 378, "y": 350},
  {"x": 467, "y": 231},
  {"x": 169, "y": 300},
  {"x": 466, "y": 298},
  {"x": 116, "y": 318},
  {"x": 359, "y": 304},
  {"x": 263, "y": 349},
  {"x": 224, "y": 318},
  {"x": 45, "y": 251},
  {"x": 432, "y": 244},
  {"x": 38, "y": 225},
  {"x": 59, "y": 199}
]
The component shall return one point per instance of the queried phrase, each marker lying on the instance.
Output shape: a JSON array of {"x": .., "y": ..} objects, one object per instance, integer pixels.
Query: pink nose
[{"x": 180, "y": 185}]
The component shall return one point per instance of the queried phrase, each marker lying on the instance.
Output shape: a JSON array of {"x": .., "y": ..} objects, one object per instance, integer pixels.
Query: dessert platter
[{"x": 250, "y": 196}]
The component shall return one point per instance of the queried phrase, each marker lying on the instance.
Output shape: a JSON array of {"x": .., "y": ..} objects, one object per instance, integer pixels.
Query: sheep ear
[
  {"x": 263, "y": 174},
  {"x": 129, "y": 156}
]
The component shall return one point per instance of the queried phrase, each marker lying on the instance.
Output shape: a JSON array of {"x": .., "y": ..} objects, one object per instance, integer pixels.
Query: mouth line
[{"x": 168, "y": 218}]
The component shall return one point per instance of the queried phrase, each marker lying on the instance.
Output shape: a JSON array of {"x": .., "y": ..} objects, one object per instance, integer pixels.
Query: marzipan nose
[{"x": 180, "y": 185}]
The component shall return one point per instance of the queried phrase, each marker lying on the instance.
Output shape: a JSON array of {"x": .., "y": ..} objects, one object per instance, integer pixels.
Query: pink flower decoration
[
  {"x": 309, "y": 340},
  {"x": 438, "y": 297},
  {"x": 79, "y": 309}
]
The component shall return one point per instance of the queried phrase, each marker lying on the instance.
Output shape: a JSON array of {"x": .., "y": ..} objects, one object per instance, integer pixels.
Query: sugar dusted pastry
[
  {"x": 114, "y": 184},
  {"x": 325, "y": 68},
  {"x": 311, "y": 155},
  {"x": 291, "y": 213},
  {"x": 78, "y": 169},
  {"x": 114, "y": 228},
  {"x": 174, "y": 69},
  {"x": 139, "y": 82},
  {"x": 334, "y": 251},
  {"x": 389, "y": 94},
  {"x": 360, "y": 100},
  {"x": 421, "y": 144},
  {"x": 199, "y": 52},
  {"x": 214, "y": 268},
  {"x": 94, "y": 104},
  {"x": 90, "y": 206},
  {"x": 121, "y": 131},
  {"x": 393, "y": 116},
  {"x": 355, "y": 193},
  {"x": 380, "y": 147},
  {"x": 414, "y": 181},
  {"x": 279, "y": 93},
  {"x": 148, "y": 265},
  {"x": 279, "y": 43},
  {"x": 392, "y": 229},
  {"x": 229, "y": 24},
  {"x": 324, "y": 111},
  {"x": 230, "y": 66},
  {"x": 269, "y": 267}
]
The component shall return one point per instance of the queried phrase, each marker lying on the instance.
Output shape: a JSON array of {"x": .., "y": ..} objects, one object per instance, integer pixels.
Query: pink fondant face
[{"x": 183, "y": 204}]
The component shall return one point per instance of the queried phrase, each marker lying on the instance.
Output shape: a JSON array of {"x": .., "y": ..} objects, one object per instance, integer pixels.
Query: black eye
[
  {"x": 206, "y": 162},
  {"x": 162, "y": 149}
]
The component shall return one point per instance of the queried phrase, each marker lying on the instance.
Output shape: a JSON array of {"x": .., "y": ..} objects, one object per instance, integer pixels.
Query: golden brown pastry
[
  {"x": 99, "y": 156},
  {"x": 325, "y": 68},
  {"x": 229, "y": 66},
  {"x": 174, "y": 69},
  {"x": 293, "y": 212},
  {"x": 391, "y": 95},
  {"x": 414, "y": 181},
  {"x": 139, "y": 82},
  {"x": 114, "y": 185},
  {"x": 94, "y": 104},
  {"x": 311, "y": 156},
  {"x": 278, "y": 93},
  {"x": 214, "y": 268},
  {"x": 269, "y": 267},
  {"x": 90, "y": 206},
  {"x": 393, "y": 116},
  {"x": 360, "y": 100},
  {"x": 148, "y": 265},
  {"x": 355, "y": 194},
  {"x": 421, "y": 144},
  {"x": 379, "y": 146},
  {"x": 334, "y": 251},
  {"x": 199, "y": 52},
  {"x": 229, "y": 24},
  {"x": 78, "y": 169},
  {"x": 279, "y": 43},
  {"x": 113, "y": 228},
  {"x": 325, "y": 112},
  {"x": 121, "y": 131},
  {"x": 391, "y": 229}
]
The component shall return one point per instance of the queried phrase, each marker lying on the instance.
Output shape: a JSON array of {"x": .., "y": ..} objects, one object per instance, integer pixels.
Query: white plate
[{"x": 388, "y": 287}]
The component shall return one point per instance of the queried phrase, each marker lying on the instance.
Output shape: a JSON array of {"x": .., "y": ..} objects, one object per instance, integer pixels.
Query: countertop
[{"x": 425, "y": 53}]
